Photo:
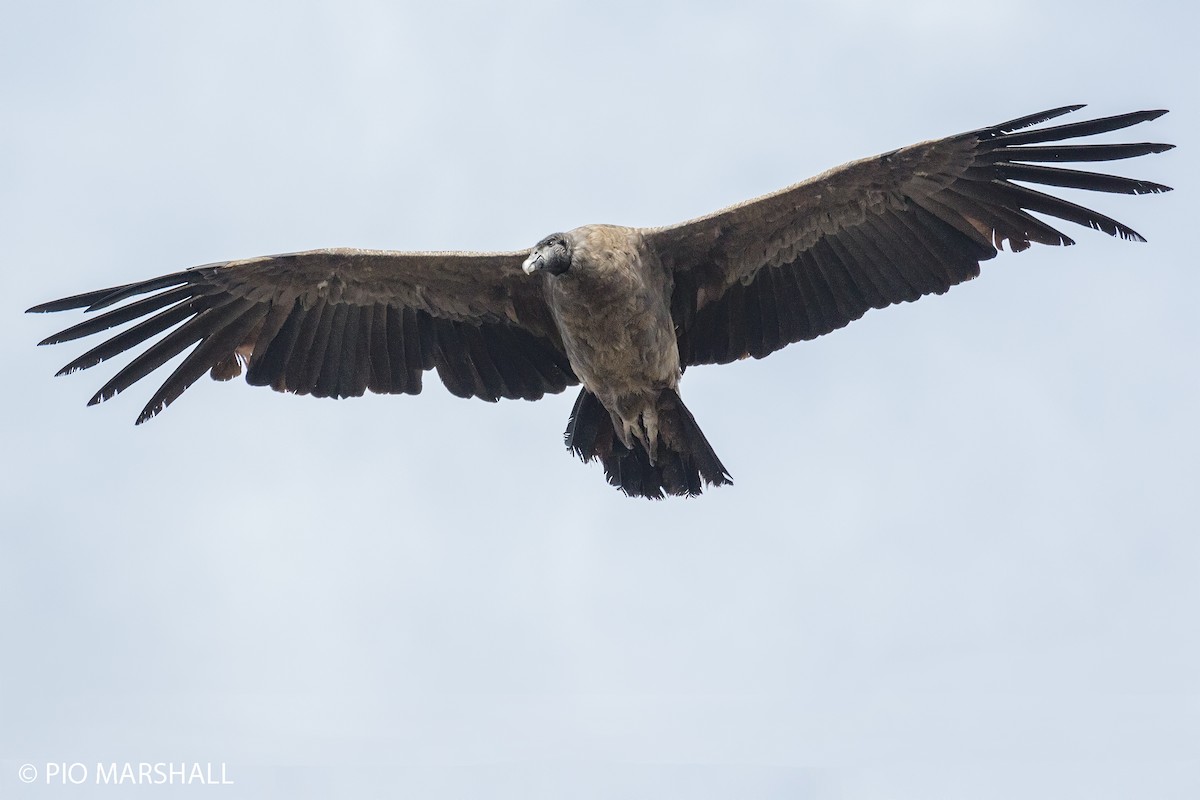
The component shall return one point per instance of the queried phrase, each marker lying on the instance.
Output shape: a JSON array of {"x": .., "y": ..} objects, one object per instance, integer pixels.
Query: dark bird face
[{"x": 552, "y": 254}]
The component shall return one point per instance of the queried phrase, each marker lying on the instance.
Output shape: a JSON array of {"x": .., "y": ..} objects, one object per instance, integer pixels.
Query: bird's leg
[
  {"x": 624, "y": 429},
  {"x": 637, "y": 423},
  {"x": 649, "y": 420}
]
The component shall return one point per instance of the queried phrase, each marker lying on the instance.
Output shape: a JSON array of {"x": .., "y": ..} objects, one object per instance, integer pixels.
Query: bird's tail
[{"x": 684, "y": 460}]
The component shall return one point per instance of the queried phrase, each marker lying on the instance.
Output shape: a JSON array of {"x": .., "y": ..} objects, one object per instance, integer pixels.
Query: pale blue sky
[{"x": 961, "y": 555}]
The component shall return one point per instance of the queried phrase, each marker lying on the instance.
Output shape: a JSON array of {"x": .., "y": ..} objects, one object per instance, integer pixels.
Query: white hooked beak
[{"x": 533, "y": 263}]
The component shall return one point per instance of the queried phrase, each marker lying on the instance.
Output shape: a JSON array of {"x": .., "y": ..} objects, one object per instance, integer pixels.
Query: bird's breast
[{"x": 615, "y": 322}]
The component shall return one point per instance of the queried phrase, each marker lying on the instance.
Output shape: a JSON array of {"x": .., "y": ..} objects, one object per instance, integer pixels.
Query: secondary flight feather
[{"x": 621, "y": 310}]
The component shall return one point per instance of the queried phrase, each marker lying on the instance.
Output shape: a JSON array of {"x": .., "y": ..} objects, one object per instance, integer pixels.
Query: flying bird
[{"x": 621, "y": 310}]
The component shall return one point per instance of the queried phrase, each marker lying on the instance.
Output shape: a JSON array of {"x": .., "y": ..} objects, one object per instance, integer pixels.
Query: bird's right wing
[{"x": 333, "y": 323}]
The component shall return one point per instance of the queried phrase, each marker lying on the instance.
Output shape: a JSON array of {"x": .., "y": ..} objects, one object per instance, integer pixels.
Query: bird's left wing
[
  {"x": 332, "y": 323},
  {"x": 815, "y": 256}
]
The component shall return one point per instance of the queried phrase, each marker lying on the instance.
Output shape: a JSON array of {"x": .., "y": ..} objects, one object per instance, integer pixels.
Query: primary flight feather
[{"x": 621, "y": 310}]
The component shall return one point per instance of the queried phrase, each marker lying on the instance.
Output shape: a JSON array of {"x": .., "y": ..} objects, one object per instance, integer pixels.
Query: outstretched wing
[
  {"x": 811, "y": 258},
  {"x": 333, "y": 323}
]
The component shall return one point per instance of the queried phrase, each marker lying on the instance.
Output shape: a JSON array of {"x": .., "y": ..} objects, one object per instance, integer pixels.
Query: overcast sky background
[{"x": 961, "y": 555}]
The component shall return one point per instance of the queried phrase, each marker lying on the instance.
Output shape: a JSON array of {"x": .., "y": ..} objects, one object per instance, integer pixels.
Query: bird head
[{"x": 552, "y": 255}]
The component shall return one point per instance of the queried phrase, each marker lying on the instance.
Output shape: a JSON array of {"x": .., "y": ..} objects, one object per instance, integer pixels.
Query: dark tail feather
[{"x": 686, "y": 460}]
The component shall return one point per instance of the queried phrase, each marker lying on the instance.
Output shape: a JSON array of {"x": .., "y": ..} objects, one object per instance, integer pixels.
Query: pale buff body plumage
[{"x": 613, "y": 312}]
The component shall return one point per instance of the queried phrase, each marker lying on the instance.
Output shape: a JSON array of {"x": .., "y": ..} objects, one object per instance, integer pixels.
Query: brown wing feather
[
  {"x": 811, "y": 258},
  {"x": 332, "y": 323}
]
